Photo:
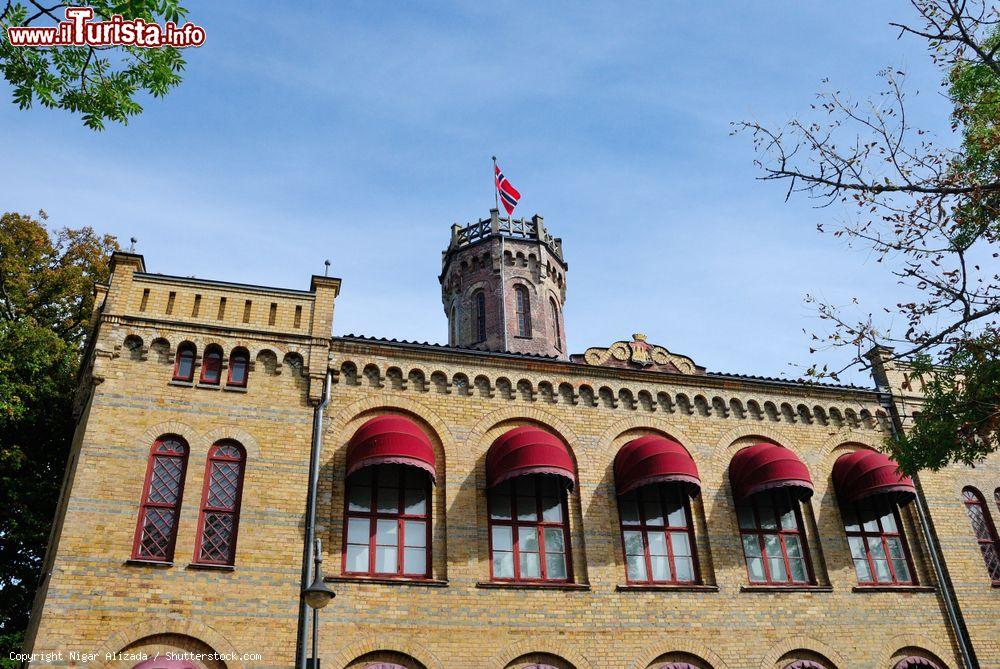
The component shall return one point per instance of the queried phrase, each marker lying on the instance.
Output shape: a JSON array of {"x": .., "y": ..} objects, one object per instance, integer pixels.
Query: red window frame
[
  {"x": 405, "y": 475},
  {"x": 984, "y": 530},
  {"x": 211, "y": 363},
  {"x": 159, "y": 511},
  {"x": 239, "y": 356},
  {"x": 187, "y": 352},
  {"x": 479, "y": 299},
  {"x": 664, "y": 496},
  {"x": 522, "y": 303},
  {"x": 555, "y": 323},
  {"x": 226, "y": 466},
  {"x": 783, "y": 499},
  {"x": 876, "y": 508},
  {"x": 508, "y": 489}
]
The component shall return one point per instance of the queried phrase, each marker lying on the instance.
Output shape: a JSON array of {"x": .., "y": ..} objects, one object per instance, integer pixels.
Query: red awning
[
  {"x": 864, "y": 473},
  {"x": 653, "y": 459},
  {"x": 765, "y": 467},
  {"x": 528, "y": 450},
  {"x": 390, "y": 440}
]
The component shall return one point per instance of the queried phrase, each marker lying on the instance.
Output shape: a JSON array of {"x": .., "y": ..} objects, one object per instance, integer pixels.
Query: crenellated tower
[{"x": 503, "y": 286}]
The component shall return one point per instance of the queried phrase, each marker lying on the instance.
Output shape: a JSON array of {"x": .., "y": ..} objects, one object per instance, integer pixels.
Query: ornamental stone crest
[{"x": 638, "y": 354}]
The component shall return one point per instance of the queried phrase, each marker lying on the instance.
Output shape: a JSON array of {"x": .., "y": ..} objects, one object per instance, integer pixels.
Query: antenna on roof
[
  {"x": 131, "y": 248},
  {"x": 326, "y": 269}
]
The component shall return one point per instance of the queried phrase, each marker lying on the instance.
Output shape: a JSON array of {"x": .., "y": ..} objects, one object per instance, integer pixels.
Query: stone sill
[
  {"x": 664, "y": 587},
  {"x": 424, "y": 582},
  {"x": 211, "y": 567},
  {"x": 182, "y": 384},
  {"x": 786, "y": 588},
  {"x": 208, "y": 386},
  {"x": 148, "y": 563},
  {"x": 526, "y": 585},
  {"x": 893, "y": 588},
  {"x": 235, "y": 389}
]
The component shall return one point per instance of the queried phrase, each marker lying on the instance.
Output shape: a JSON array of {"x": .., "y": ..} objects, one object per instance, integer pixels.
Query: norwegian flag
[{"x": 508, "y": 194}]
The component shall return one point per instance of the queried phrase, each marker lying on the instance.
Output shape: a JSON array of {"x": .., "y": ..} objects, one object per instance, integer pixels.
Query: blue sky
[{"x": 360, "y": 131}]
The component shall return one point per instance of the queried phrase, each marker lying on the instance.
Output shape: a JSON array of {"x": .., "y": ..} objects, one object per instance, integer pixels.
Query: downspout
[
  {"x": 955, "y": 618},
  {"x": 310, "y": 531}
]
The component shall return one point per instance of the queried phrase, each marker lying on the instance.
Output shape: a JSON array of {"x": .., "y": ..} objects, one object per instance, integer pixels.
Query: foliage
[
  {"x": 99, "y": 83},
  {"x": 46, "y": 299},
  {"x": 926, "y": 207}
]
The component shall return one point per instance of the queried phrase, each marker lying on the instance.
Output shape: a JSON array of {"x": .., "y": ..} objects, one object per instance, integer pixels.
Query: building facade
[{"x": 496, "y": 502}]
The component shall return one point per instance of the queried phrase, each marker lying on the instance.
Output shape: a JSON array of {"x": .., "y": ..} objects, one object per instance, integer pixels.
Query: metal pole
[{"x": 503, "y": 293}]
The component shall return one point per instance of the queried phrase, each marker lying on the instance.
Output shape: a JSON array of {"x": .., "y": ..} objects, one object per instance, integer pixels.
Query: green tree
[
  {"x": 927, "y": 207},
  {"x": 46, "y": 300},
  {"x": 99, "y": 83}
]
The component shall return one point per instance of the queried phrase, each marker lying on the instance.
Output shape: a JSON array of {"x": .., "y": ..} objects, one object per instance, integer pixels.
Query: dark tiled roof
[
  {"x": 797, "y": 382},
  {"x": 443, "y": 347}
]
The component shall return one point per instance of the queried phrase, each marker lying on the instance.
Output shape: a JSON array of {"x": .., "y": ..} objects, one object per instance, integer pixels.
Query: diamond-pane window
[
  {"x": 156, "y": 530},
  {"x": 220, "y": 505},
  {"x": 986, "y": 534}
]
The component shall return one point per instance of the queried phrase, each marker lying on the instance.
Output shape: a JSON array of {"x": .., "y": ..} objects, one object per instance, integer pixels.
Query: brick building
[{"x": 496, "y": 502}]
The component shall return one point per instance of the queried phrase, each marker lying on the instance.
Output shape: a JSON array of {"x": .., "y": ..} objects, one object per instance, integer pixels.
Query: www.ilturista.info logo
[{"x": 80, "y": 30}]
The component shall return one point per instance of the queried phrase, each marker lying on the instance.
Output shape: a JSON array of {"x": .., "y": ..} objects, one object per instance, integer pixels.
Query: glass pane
[
  {"x": 661, "y": 568},
  {"x": 767, "y": 519},
  {"x": 554, "y": 540},
  {"x": 388, "y": 476},
  {"x": 385, "y": 559},
  {"x": 551, "y": 509},
  {"x": 868, "y": 522},
  {"x": 857, "y": 547},
  {"x": 895, "y": 547},
  {"x": 357, "y": 558},
  {"x": 875, "y": 548},
  {"x": 527, "y": 539},
  {"x": 415, "y": 533},
  {"x": 636, "y": 565},
  {"x": 798, "y": 568},
  {"x": 503, "y": 539},
  {"x": 360, "y": 498},
  {"x": 363, "y": 476},
  {"x": 756, "y": 568},
  {"x": 414, "y": 477},
  {"x": 776, "y": 562},
  {"x": 863, "y": 570},
  {"x": 851, "y": 521},
  {"x": 388, "y": 500},
  {"x": 386, "y": 533},
  {"x": 657, "y": 543},
  {"x": 415, "y": 561},
  {"x": 530, "y": 566},
  {"x": 555, "y": 565},
  {"x": 633, "y": 543},
  {"x": 793, "y": 546},
  {"x": 902, "y": 571},
  {"x": 788, "y": 520},
  {"x": 751, "y": 547},
  {"x": 358, "y": 530},
  {"x": 889, "y": 522},
  {"x": 415, "y": 500},
  {"x": 882, "y": 571},
  {"x": 654, "y": 512},
  {"x": 527, "y": 508},
  {"x": 676, "y": 517},
  {"x": 549, "y": 486},
  {"x": 745, "y": 514},
  {"x": 772, "y": 545},
  {"x": 681, "y": 543},
  {"x": 503, "y": 564},
  {"x": 685, "y": 568},
  {"x": 629, "y": 508},
  {"x": 500, "y": 507},
  {"x": 525, "y": 486}
]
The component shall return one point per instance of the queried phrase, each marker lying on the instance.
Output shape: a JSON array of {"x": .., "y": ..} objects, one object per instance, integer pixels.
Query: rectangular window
[
  {"x": 774, "y": 543},
  {"x": 222, "y": 308},
  {"x": 657, "y": 535},
  {"x": 246, "y": 311},
  {"x": 273, "y": 314},
  {"x": 298, "y": 316},
  {"x": 171, "y": 298},
  {"x": 878, "y": 545},
  {"x": 145, "y": 299},
  {"x": 529, "y": 530},
  {"x": 197, "y": 306}
]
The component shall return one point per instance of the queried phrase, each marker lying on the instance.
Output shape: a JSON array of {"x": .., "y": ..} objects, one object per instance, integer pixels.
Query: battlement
[{"x": 532, "y": 229}]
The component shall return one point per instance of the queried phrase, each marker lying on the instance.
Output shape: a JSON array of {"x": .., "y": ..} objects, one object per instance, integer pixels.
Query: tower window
[
  {"x": 986, "y": 533},
  {"x": 246, "y": 310},
  {"x": 184, "y": 365},
  {"x": 479, "y": 305},
  {"x": 220, "y": 505},
  {"x": 298, "y": 316},
  {"x": 156, "y": 531},
  {"x": 222, "y": 308},
  {"x": 557, "y": 334},
  {"x": 211, "y": 366},
  {"x": 454, "y": 325},
  {"x": 272, "y": 316},
  {"x": 171, "y": 298},
  {"x": 145, "y": 299},
  {"x": 523, "y": 304},
  {"x": 239, "y": 363},
  {"x": 197, "y": 306}
]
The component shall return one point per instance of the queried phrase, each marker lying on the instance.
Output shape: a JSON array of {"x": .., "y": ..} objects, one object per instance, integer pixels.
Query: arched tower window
[
  {"x": 985, "y": 531},
  {"x": 239, "y": 367},
  {"x": 156, "y": 531},
  {"x": 556, "y": 333},
  {"x": 523, "y": 305},
  {"x": 184, "y": 364},
  {"x": 220, "y": 504},
  {"x": 211, "y": 365},
  {"x": 479, "y": 312},
  {"x": 454, "y": 325}
]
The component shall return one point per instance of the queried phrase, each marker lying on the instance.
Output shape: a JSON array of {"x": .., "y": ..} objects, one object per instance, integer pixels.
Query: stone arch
[
  {"x": 903, "y": 646},
  {"x": 809, "y": 648},
  {"x": 394, "y": 378},
  {"x": 247, "y": 440},
  {"x": 373, "y": 375},
  {"x": 645, "y": 400},
  {"x": 567, "y": 394},
  {"x": 587, "y": 396},
  {"x": 295, "y": 362},
  {"x": 607, "y": 397},
  {"x": 605, "y": 449},
  {"x": 483, "y": 386},
  {"x": 163, "y": 626},
  {"x": 754, "y": 409},
  {"x": 163, "y": 350},
  {"x": 547, "y": 392},
  {"x": 702, "y": 406},
  {"x": 505, "y": 389},
  {"x": 417, "y": 379},
  {"x": 133, "y": 346},
  {"x": 268, "y": 360},
  {"x": 654, "y": 652},
  {"x": 724, "y": 447},
  {"x": 525, "y": 390},
  {"x": 736, "y": 408},
  {"x": 401, "y": 645},
  {"x": 183, "y": 430},
  {"x": 561, "y": 650},
  {"x": 461, "y": 384}
]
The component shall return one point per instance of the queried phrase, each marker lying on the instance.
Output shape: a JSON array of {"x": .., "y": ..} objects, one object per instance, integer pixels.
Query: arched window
[
  {"x": 156, "y": 531},
  {"x": 773, "y": 539},
  {"x": 657, "y": 534},
  {"x": 878, "y": 544},
  {"x": 985, "y": 531},
  {"x": 523, "y": 304},
  {"x": 479, "y": 307},
  {"x": 184, "y": 364},
  {"x": 454, "y": 325},
  {"x": 239, "y": 367},
  {"x": 219, "y": 520},
  {"x": 557, "y": 334},
  {"x": 915, "y": 662},
  {"x": 388, "y": 521},
  {"x": 529, "y": 529},
  {"x": 211, "y": 365}
]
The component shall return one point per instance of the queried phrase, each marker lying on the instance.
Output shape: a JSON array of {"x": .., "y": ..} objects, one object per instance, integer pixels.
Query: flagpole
[
  {"x": 496, "y": 191},
  {"x": 503, "y": 292}
]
